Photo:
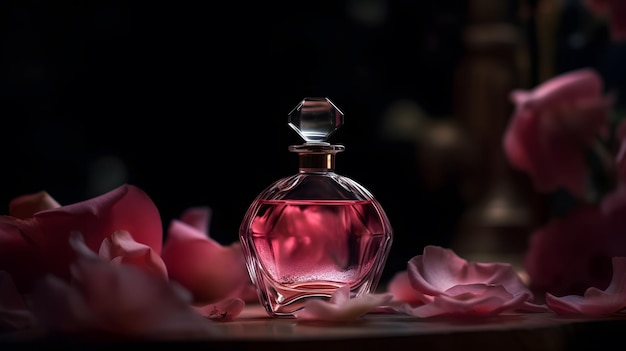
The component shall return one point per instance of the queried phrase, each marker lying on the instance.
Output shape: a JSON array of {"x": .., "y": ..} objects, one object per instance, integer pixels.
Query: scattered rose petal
[
  {"x": 223, "y": 311},
  {"x": 595, "y": 302},
  {"x": 340, "y": 307},
  {"x": 14, "y": 313},
  {"x": 35, "y": 246},
  {"x": 198, "y": 217},
  {"x": 552, "y": 127},
  {"x": 117, "y": 299},
  {"x": 469, "y": 300},
  {"x": 449, "y": 285},
  {"x": 210, "y": 271},
  {"x": 27, "y": 205},
  {"x": 400, "y": 288},
  {"x": 122, "y": 248}
]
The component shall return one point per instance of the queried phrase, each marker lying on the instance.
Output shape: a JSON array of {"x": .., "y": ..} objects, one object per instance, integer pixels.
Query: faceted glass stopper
[{"x": 315, "y": 119}]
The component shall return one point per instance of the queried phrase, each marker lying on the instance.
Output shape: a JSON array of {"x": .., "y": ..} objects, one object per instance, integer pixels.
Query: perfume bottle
[{"x": 310, "y": 233}]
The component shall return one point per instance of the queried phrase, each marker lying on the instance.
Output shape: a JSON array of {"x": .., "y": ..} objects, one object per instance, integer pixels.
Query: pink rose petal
[
  {"x": 14, "y": 314},
  {"x": 475, "y": 300},
  {"x": 35, "y": 246},
  {"x": 210, "y": 271},
  {"x": 340, "y": 307},
  {"x": 26, "y": 206},
  {"x": 20, "y": 257},
  {"x": 449, "y": 285},
  {"x": 595, "y": 302},
  {"x": 439, "y": 269},
  {"x": 400, "y": 288},
  {"x": 552, "y": 127},
  {"x": 122, "y": 248},
  {"x": 223, "y": 311},
  {"x": 198, "y": 217},
  {"x": 117, "y": 299}
]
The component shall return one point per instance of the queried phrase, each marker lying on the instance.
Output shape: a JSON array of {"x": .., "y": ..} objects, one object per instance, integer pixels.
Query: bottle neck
[
  {"x": 318, "y": 157},
  {"x": 316, "y": 162}
]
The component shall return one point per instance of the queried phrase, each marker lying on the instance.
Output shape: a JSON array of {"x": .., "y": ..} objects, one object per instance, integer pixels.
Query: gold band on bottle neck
[
  {"x": 320, "y": 162},
  {"x": 316, "y": 157}
]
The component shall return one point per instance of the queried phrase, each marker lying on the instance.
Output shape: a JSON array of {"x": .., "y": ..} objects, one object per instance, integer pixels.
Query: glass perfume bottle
[{"x": 310, "y": 233}]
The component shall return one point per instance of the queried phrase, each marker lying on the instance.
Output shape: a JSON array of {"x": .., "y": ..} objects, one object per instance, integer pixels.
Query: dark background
[{"x": 189, "y": 100}]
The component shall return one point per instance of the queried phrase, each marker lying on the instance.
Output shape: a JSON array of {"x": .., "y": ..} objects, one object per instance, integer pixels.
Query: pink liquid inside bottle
[{"x": 310, "y": 233}]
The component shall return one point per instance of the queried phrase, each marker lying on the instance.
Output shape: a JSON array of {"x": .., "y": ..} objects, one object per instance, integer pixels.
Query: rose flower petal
[
  {"x": 34, "y": 246},
  {"x": 223, "y": 311},
  {"x": 210, "y": 271},
  {"x": 117, "y": 299},
  {"x": 122, "y": 248},
  {"x": 26, "y": 206},
  {"x": 473, "y": 300},
  {"x": 595, "y": 301},
  {"x": 448, "y": 284},
  {"x": 340, "y": 307},
  {"x": 14, "y": 314},
  {"x": 400, "y": 288},
  {"x": 553, "y": 125},
  {"x": 15, "y": 249}
]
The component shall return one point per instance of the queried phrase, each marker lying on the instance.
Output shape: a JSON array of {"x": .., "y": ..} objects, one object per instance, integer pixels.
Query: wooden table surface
[{"x": 254, "y": 330}]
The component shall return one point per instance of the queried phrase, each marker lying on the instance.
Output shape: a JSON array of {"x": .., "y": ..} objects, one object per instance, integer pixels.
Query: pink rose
[{"x": 552, "y": 127}]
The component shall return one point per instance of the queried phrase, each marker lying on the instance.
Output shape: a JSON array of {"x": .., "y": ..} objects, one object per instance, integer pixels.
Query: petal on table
[
  {"x": 14, "y": 314},
  {"x": 340, "y": 307},
  {"x": 35, "y": 246},
  {"x": 222, "y": 311},
  {"x": 475, "y": 300},
  {"x": 595, "y": 302},
  {"x": 438, "y": 269},
  {"x": 117, "y": 299}
]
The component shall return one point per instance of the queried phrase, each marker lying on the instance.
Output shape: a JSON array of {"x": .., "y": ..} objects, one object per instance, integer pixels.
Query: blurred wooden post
[{"x": 502, "y": 208}]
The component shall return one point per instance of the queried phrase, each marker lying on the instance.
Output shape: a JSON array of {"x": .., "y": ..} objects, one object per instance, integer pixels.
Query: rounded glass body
[{"x": 310, "y": 233}]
